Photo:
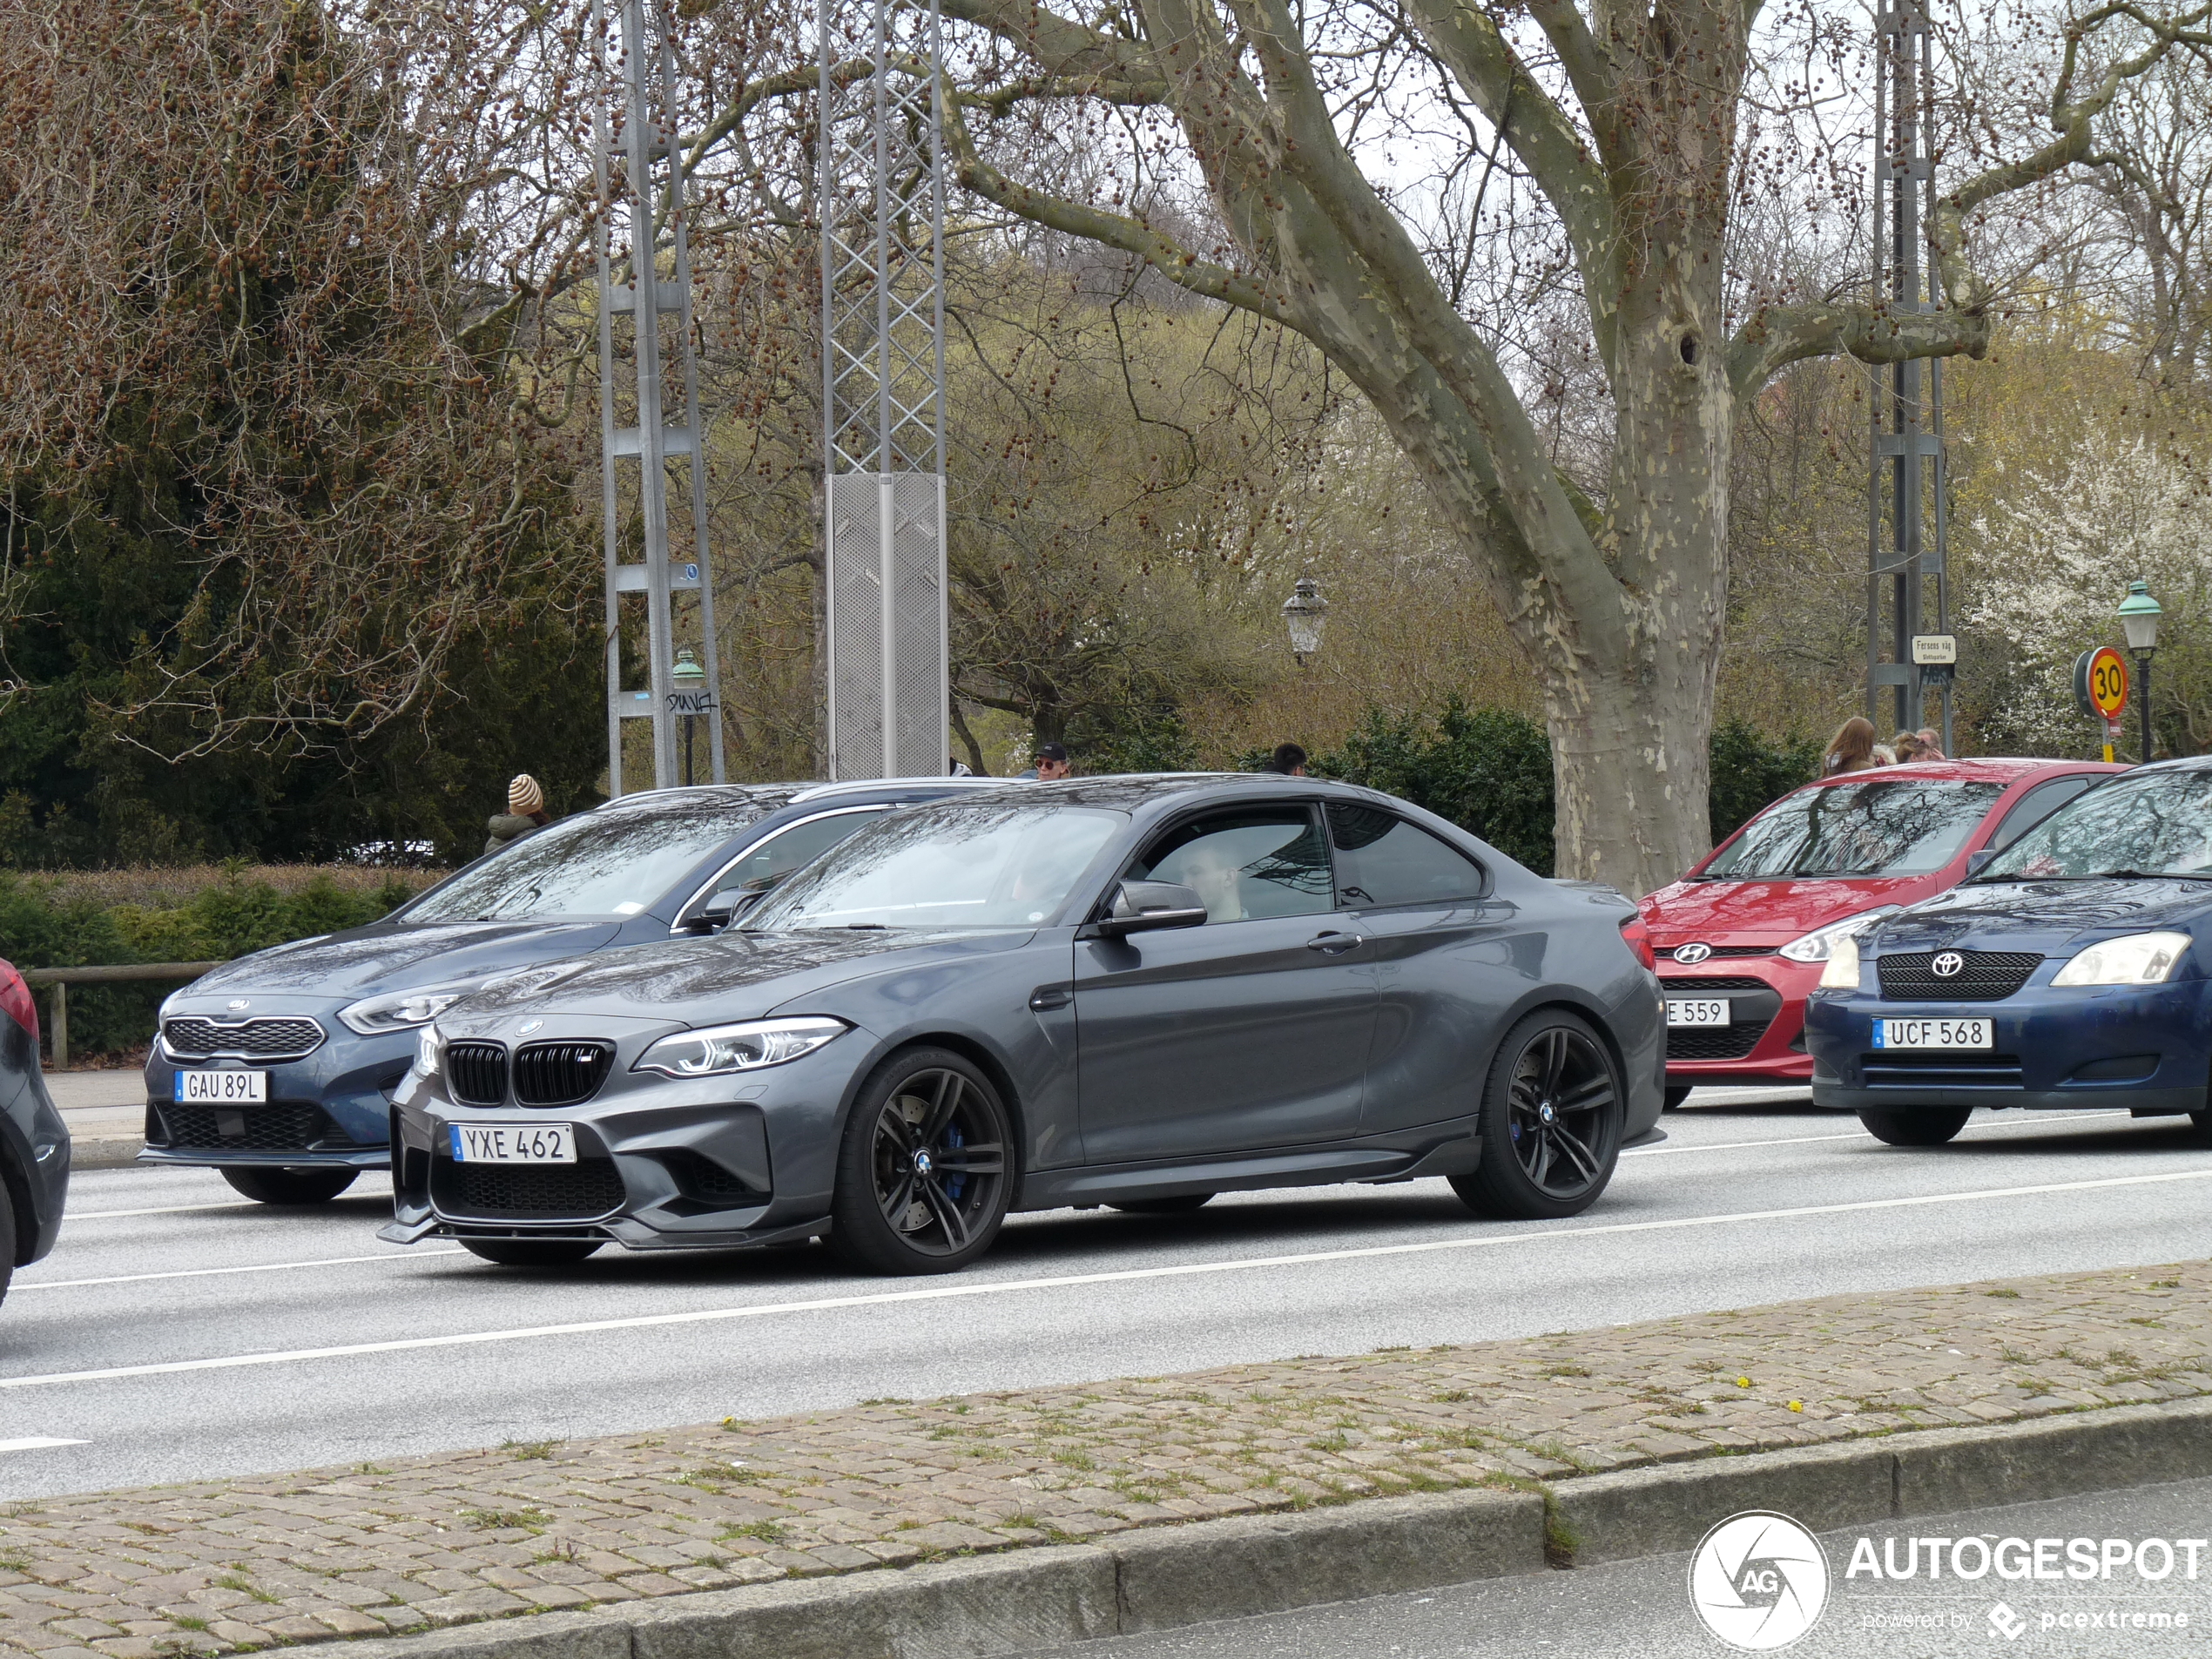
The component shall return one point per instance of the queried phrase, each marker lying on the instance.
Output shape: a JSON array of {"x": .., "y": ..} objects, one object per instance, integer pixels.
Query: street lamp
[
  {"x": 689, "y": 677},
  {"x": 2139, "y": 614},
  {"x": 1305, "y": 612}
]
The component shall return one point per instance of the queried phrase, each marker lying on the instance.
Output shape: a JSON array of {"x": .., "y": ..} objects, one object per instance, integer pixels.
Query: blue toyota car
[
  {"x": 278, "y": 1069},
  {"x": 2073, "y": 969}
]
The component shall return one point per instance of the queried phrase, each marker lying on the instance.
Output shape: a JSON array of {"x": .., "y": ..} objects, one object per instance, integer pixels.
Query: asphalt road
[
  {"x": 179, "y": 1334},
  {"x": 1641, "y": 1609}
]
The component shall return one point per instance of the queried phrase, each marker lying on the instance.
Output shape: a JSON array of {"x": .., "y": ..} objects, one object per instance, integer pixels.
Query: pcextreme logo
[{"x": 1758, "y": 1581}]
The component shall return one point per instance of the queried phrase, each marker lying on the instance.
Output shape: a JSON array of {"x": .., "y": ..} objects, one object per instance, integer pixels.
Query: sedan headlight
[
  {"x": 717, "y": 1049},
  {"x": 1842, "y": 972},
  {"x": 2138, "y": 959},
  {"x": 1819, "y": 944},
  {"x": 401, "y": 1010}
]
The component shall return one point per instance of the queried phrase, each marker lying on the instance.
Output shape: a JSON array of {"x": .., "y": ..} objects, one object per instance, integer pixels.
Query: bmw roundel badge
[{"x": 528, "y": 1026}]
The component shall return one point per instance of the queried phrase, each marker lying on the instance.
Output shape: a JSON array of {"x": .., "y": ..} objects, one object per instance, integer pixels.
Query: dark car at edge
[
  {"x": 34, "y": 1141},
  {"x": 2072, "y": 971},
  {"x": 1136, "y": 992}
]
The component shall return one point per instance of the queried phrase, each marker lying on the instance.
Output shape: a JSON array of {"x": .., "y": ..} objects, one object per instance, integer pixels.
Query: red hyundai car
[{"x": 1743, "y": 937}]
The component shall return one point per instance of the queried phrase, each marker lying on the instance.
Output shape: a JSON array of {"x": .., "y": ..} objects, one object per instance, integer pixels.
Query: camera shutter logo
[
  {"x": 1689, "y": 955},
  {"x": 1758, "y": 1581},
  {"x": 1946, "y": 964}
]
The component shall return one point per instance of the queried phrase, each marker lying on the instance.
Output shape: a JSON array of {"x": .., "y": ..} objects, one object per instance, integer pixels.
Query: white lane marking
[
  {"x": 211, "y": 1273},
  {"x": 165, "y": 1210},
  {"x": 37, "y": 1443},
  {"x": 1854, "y": 1134},
  {"x": 999, "y": 1287}
]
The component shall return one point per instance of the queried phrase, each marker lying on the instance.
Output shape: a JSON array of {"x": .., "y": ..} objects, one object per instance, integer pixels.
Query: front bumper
[
  {"x": 1764, "y": 1041},
  {"x": 715, "y": 1163},
  {"x": 2147, "y": 1050},
  {"x": 331, "y": 1108}
]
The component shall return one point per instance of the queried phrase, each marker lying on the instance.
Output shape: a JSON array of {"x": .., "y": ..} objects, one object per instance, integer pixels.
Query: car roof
[
  {"x": 1990, "y": 769},
  {"x": 770, "y": 796}
]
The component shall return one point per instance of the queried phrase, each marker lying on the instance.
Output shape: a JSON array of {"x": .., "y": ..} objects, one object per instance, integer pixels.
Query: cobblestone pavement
[{"x": 442, "y": 1541}]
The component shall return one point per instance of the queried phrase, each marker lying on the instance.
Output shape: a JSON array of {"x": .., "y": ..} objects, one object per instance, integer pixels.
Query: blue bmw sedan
[
  {"x": 278, "y": 1069},
  {"x": 2073, "y": 969}
]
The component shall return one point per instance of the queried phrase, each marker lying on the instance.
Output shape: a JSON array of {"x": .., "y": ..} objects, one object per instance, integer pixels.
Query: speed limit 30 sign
[{"x": 2101, "y": 682}]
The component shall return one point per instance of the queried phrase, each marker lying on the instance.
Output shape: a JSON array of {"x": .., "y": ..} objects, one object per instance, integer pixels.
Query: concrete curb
[
  {"x": 1159, "y": 1578},
  {"x": 105, "y": 1151}
]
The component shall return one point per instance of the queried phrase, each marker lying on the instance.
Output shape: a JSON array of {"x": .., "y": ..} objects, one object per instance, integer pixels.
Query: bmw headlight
[
  {"x": 426, "y": 1051},
  {"x": 401, "y": 1010},
  {"x": 1819, "y": 944},
  {"x": 717, "y": 1049},
  {"x": 2138, "y": 959},
  {"x": 1842, "y": 972}
]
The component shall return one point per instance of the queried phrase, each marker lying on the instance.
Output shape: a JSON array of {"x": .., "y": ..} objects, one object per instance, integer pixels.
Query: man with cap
[
  {"x": 525, "y": 812},
  {"x": 1049, "y": 765}
]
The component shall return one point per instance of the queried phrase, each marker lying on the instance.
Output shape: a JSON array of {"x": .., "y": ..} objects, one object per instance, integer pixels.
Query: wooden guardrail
[{"x": 62, "y": 978}]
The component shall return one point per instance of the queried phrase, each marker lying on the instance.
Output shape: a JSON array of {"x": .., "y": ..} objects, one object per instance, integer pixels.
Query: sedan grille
[
  {"x": 1714, "y": 953},
  {"x": 1753, "y": 1014},
  {"x": 478, "y": 1072},
  {"x": 288, "y": 1038},
  {"x": 1987, "y": 975},
  {"x": 560, "y": 1074},
  {"x": 294, "y": 1127},
  {"x": 578, "y": 1191}
]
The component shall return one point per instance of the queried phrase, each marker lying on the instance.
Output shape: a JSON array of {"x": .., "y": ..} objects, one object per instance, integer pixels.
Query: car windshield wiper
[{"x": 2146, "y": 875}]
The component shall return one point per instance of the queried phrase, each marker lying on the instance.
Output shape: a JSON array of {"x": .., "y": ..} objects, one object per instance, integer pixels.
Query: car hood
[
  {"x": 2053, "y": 918},
  {"x": 732, "y": 976},
  {"x": 365, "y": 961},
  {"x": 1769, "y": 912}
]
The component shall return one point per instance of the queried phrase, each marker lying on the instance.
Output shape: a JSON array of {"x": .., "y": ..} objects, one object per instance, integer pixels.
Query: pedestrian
[
  {"x": 1049, "y": 764},
  {"x": 1851, "y": 749},
  {"x": 1906, "y": 745},
  {"x": 525, "y": 812},
  {"x": 1931, "y": 745},
  {"x": 1288, "y": 760}
]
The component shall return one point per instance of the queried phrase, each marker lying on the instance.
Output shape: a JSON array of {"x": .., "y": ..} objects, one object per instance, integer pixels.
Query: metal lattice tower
[
  {"x": 640, "y": 168},
  {"x": 1906, "y": 543},
  {"x": 882, "y": 182}
]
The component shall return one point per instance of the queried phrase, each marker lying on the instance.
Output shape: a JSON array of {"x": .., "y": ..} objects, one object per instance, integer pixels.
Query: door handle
[
  {"x": 1047, "y": 997},
  {"x": 1334, "y": 944}
]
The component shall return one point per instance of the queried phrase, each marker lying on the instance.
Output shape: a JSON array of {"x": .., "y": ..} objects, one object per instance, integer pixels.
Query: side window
[
  {"x": 2033, "y": 807},
  {"x": 1247, "y": 864},
  {"x": 1382, "y": 859},
  {"x": 784, "y": 851}
]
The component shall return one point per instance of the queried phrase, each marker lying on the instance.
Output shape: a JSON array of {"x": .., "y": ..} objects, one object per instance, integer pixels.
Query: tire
[
  {"x": 291, "y": 1186},
  {"x": 1550, "y": 1121},
  {"x": 7, "y": 1240},
  {"x": 2200, "y": 1132},
  {"x": 1675, "y": 1096},
  {"x": 922, "y": 1174},
  {"x": 1181, "y": 1204},
  {"x": 1930, "y": 1127},
  {"x": 531, "y": 1252}
]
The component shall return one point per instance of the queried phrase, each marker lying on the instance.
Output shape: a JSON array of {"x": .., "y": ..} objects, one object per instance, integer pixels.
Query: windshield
[
  {"x": 607, "y": 863},
  {"x": 1903, "y": 826},
  {"x": 961, "y": 865},
  {"x": 2147, "y": 823}
]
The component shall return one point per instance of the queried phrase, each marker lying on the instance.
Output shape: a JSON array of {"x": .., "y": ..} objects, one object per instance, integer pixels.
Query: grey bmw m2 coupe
[{"x": 1136, "y": 991}]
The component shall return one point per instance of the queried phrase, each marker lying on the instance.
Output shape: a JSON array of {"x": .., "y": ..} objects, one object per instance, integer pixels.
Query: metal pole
[
  {"x": 2144, "y": 662},
  {"x": 602, "y": 230}
]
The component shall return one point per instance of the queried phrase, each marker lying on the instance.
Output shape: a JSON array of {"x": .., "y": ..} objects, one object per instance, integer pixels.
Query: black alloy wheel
[
  {"x": 531, "y": 1252},
  {"x": 1182, "y": 1204},
  {"x": 1929, "y": 1127},
  {"x": 291, "y": 1186},
  {"x": 1551, "y": 1122},
  {"x": 921, "y": 1178}
]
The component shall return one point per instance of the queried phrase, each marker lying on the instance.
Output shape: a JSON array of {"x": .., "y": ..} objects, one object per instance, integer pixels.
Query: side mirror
[
  {"x": 713, "y": 916},
  {"x": 1976, "y": 862},
  {"x": 1144, "y": 906}
]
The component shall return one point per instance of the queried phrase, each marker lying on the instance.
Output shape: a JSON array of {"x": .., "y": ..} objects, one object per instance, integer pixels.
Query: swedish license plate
[
  {"x": 1687, "y": 1010},
  {"x": 222, "y": 1087},
  {"x": 513, "y": 1142},
  {"x": 1932, "y": 1034}
]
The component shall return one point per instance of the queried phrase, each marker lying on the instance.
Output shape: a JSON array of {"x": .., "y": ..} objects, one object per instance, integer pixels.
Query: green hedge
[
  {"x": 44, "y": 924},
  {"x": 1490, "y": 771}
]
